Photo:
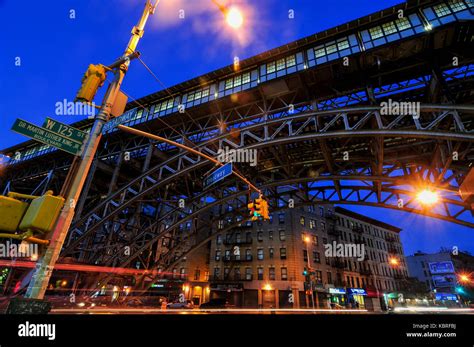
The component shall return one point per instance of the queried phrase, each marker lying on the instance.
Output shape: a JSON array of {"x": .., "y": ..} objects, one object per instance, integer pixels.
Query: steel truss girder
[
  {"x": 285, "y": 130},
  {"x": 395, "y": 90},
  {"x": 303, "y": 193}
]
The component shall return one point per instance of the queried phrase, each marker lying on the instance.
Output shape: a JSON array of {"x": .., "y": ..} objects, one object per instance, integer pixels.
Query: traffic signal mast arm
[{"x": 189, "y": 149}]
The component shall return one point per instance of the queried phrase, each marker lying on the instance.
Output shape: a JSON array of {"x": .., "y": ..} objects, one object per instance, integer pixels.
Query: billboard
[
  {"x": 444, "y": 280},
  {"x": 442, "y": 267},
  {"x": 446, "y": 296}
]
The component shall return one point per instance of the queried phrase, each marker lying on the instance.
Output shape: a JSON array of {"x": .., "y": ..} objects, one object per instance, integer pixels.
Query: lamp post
[
  {"x": 307, "y": 240},
  {"x": 76, "y": 178},
  {"x": 77, "y": 175}
]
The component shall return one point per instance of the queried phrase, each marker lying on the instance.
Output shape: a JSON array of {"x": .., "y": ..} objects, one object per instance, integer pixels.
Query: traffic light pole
[
  {"x": 76, "y": 178},
  {"x": 186, "y": 148},
  {"x": 310, "y": 276}
]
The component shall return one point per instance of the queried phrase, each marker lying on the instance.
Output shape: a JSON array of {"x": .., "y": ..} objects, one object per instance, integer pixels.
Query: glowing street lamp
[
  {"x": 233, "y": 15},
  {"x": 307, "y": 239},
  {"x": 394, "y": 261},
  {"x": 464, "y": 278},
  {"x": 234, "y": 18},
  {"x": 427, "y": 197},
  {"x": 267, "y": 286}
]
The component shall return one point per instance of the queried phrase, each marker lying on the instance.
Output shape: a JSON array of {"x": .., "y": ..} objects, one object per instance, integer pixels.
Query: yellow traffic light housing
[
  {"x": 91, "y": 81},
  {"x": 253, "y": 211},
  {"x": 262, "y": 208},
  {"x": 265, "y": 211},
  {"x": 259, "y": 209},
  {"x": 22, "y": 220}
]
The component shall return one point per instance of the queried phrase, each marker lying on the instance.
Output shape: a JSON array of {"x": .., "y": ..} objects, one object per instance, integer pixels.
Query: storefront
[
  {"x": 356, "y": 297},
  {"x": 231, "y": 292},
  {"x": 337, "y": 297},
  {"x": 447, "y": 299}
]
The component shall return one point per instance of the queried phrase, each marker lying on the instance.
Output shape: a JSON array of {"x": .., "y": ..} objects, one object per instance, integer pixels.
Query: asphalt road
[{"x": 115, "y": 310}]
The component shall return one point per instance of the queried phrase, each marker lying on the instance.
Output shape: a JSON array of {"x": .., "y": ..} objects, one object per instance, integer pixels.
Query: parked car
[
  {"x": 216, "y": 303},
  {"x": 188, "y": 304}
]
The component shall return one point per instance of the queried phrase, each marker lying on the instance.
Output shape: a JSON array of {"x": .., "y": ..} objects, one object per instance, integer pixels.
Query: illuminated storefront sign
[
  {"x": 445, "y": 296},
  {"x": 357, "y": 291},
  {"x": 337, "y": 291},
  {"x": 441, "y": 267}
]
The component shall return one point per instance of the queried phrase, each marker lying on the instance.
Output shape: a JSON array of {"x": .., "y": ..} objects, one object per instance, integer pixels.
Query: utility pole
[{"x": 76, "y": 178}]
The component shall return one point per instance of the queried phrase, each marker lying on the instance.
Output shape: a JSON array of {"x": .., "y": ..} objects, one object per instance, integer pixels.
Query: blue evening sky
[{"x": 55, "y": 51}]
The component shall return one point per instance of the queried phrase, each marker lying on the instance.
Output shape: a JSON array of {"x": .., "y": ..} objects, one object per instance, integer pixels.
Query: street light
[
  {"x": 427, "y": 197},
  {"x": 464, "y": 278},
  {"x": 233, "y": 15},
  {"x": 394, "y": 261},
  {"x": 307, "y": 240}
]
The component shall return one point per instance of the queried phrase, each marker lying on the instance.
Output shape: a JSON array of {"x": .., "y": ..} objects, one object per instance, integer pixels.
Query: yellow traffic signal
[
  {"x": 253, "y": 211},
  {"x": 262, "y": 207},
  {"x": 91, "y": 81},
  {"x": 265, "y": 211}
]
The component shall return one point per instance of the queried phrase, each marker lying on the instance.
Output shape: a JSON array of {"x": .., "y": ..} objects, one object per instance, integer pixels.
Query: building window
[
  {"x": 271, "y": 273},
  {"x": 305, "y": 255},
  {"x": 316, "y": 257},
  {"x": 302, "y": 221},
  {"x": 248, "y": 237},
  {"x": 227, "y": 255},
  {"x": 329, "y": 274},
  {"x": 281, "y": 218},
  {"x": 282, "y": 253},
  {"x": 182, "y": 272},
  {"x": 270, "y": 253},
  {"x": 284, "y": 274},
  {"x": 238, "y": 238},
  {"x": 260, "y": 254},
  {"x": 226, "y": 273},
  {"x": 237, "y": 274},
  {"x": 217, "y": 273},
  {"x": 270, "y": 234},
  {"x": 315, "y": 240},
  {"x": 197, "y": 275},
  {"x": 260, "y": 236},
  {"x": 323, "y": 226},
  {"x": 260, "y": 273},
  {"x": 206, "y": 276},
  {"x": 282, "y": 235},
  {"x": 318, "y": 276},
  {"x": 248, "y": 273},
  {"x": 248, "y": 254},
  {"x": 218, "y": 255},
  {"x": 219, "y": 239},
  {"x": 321, "y": 211},
  {"x": 312, "y": 224}
]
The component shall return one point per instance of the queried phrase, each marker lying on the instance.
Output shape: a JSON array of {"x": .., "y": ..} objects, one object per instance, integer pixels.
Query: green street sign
[
  {"x": 47, "y": 137},
  {"x": 65, "y": 130}
]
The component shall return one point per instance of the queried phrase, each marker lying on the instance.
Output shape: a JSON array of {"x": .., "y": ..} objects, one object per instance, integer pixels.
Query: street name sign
[
  {"x": 218, "y": 175},
  {"x": 114, "y": 122},
  {"x": 47, "y": 137},
  {"x": 65, "y": 130}
]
